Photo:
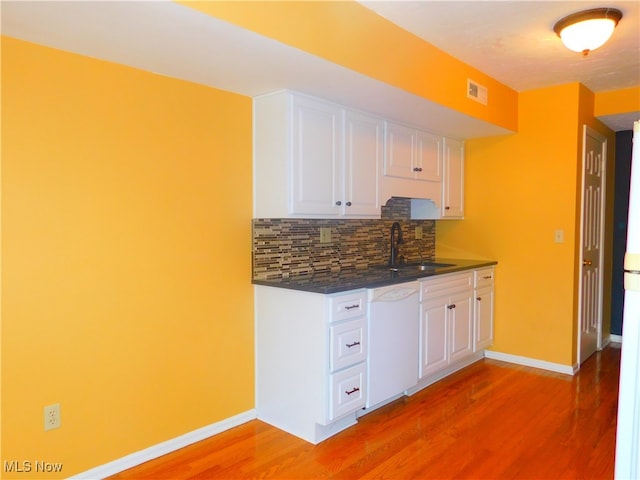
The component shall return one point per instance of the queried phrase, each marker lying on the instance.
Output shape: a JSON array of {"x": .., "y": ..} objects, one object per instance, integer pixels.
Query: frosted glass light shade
[{"x": 588, "y": 30}]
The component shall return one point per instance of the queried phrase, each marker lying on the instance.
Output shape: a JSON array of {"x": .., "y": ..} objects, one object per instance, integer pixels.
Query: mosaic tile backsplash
[{"x": 284, "y": 247}]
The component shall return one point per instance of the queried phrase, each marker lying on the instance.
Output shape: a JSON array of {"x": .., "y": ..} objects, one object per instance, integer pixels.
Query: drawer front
[
  {"x": 347, "y": 391},
  {"x": 445, "y": 283},
  {"x": 484, "y": 277},
  {"x": 347, "y": 306},
  {"x": 348, "y": 343}
]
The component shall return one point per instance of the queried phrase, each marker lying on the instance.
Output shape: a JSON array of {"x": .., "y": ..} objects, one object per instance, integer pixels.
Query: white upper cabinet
[
  {"x": 453, "y": 186},
  {"x": 411, "y": 153},
  {"x": 363, "y": 154},
  {"x": 314, "y": 159}
]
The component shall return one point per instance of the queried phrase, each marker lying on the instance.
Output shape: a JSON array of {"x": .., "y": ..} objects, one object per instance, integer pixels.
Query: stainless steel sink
[{"x": 421, "y": 266}]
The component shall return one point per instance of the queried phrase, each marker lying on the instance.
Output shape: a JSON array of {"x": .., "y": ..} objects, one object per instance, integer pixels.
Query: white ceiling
[
  {"x": 511, "y": 41},
  {"x": 514, "y": 41}
]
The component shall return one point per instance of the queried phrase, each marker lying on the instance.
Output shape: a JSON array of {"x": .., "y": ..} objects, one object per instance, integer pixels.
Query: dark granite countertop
[{"x": 378, "y": 276}]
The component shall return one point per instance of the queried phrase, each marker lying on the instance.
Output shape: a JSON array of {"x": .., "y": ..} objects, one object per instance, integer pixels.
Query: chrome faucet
[{"x": 393, "y": 256}]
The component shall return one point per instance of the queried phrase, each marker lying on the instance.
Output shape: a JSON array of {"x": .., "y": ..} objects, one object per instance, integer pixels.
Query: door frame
[{"x": 588, "y": 131}]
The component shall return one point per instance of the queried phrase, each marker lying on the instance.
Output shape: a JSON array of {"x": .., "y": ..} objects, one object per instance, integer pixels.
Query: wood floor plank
[{"x": 492, "y": 420}]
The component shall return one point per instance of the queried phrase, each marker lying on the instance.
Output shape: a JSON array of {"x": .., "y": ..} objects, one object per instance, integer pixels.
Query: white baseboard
[
  {"x": 532, "y": 362},
  {"x": 615, "y": 338},
  {"x": 163, "y": 448}
]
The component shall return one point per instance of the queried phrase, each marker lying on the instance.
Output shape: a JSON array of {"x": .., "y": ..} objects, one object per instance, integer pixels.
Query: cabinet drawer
[
  {"x": 347, "y": 391},
  {"x": 347, "y": 306},
  {"x": 348, "y": 344},
  {"x": 484, "y": 277},
  {"x": 444, "y": 284}
]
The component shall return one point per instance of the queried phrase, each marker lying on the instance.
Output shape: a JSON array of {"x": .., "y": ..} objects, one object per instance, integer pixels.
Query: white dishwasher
[{"x": 393, "y": 346}]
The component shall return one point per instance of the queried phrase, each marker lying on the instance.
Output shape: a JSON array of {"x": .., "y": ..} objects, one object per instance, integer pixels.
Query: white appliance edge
[{"x": 627, "y": 464}]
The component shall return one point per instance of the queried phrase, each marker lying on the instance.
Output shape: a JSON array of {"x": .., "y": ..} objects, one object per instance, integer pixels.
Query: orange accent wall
[
  {"x": 519, "y": 189},
  {"x": 625, "y": 100},
  {"x": 348, "y": 34},
  {"x": 126, "y": 295}
]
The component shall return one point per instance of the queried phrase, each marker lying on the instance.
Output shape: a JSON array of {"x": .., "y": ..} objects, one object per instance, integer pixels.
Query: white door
[{"x": 592, "y": 234}]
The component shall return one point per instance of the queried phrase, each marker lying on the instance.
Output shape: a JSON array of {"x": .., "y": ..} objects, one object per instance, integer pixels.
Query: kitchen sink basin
[{"x": 421, "y": 266}]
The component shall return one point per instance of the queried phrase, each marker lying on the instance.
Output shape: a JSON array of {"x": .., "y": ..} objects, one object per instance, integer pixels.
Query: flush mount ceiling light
[{"x": 587, "y": 30}]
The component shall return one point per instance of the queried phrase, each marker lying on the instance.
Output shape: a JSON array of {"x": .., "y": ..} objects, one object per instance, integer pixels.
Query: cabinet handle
[
  {"x": 338, "y": 203},
  {"x": 348, "y": 204},
  {"x": 479, "y": 298},
  {"x": 447, "y": 208},
  {"x": 488, "y": 277},
  {"x": 349, "y": 345},
  {"x": 452, "y": 306},
  {"x": 349, "y": 392},
  {"x": 417, "y": 169},
  {"x": 351, "y": 307},
  {"x": 587, "y": 263}
]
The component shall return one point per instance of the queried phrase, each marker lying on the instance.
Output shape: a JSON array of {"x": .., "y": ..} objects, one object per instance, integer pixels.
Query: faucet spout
[{"x": 393, "y": 254}]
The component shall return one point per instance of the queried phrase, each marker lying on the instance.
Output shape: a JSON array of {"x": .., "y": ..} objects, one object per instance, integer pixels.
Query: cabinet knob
[
  {"x": 587, "y": 263},
  {"x": 479, "y": 298},
  {"x": 452, "y": 306},
  {"x": 338, "y": 203},
  {"x": 447, "y": 208},
  {"x": 417, "y": 169},
  {"x": 348, "y": 204}
]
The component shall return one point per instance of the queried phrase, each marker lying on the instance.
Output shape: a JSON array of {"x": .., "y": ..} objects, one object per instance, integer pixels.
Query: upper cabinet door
[
  {"x": 399, "y": 144},
  {"x": 316, "y": 176},
  {"x": 427, "y": 162},
  {"x": 362, "y": 157},
  {"x": 453, "y": 188},
  {"x": 412, "y": 154}
]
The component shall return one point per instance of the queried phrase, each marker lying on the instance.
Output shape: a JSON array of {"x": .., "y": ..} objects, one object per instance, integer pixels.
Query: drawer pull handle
[
  {"x": 452, "y": 306},
  {"x": 349, "y": 345},
  {"x": 349, "y": 392},
  {"x": 487, "y": 277},
  {"x": 351, "y": 307},
  {"x": 417, "y": 169}
]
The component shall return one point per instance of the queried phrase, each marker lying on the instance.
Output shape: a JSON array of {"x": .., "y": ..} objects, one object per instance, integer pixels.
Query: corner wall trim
[
  {"x": 532, "y": 362},
  {"x": 163, "y": 448}
]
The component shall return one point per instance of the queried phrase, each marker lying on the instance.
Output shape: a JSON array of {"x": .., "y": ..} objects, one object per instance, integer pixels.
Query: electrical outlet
[
  {"x": 52, "y": 417},
  {"x": 418, "y": 233},
  {"x": 558, "y": 236},
  {"x": 325, "y": 234}
]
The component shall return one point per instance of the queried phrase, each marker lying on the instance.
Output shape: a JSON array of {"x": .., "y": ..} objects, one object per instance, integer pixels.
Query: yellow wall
[
  {"x": 126, "y": 207},
  {"x": 519, "y": 189},
  {"x": 348, "y": 34}
]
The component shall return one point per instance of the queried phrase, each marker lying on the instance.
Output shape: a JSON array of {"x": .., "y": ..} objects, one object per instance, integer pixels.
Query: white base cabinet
[
  {"x": 483, "y": 309},
  {"x": 446, "y": 310},
  {"x": 311, "y": 349},
  {"x": 310, "y": 360},
  {"x": 456, "y": 322}
]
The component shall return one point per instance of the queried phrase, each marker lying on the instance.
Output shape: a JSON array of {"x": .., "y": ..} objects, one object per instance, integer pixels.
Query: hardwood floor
[{"x": 491, "y": 420}]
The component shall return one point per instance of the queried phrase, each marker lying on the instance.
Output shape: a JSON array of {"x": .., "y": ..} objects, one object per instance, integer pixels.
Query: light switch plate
[{"x": 325, "y": 235}]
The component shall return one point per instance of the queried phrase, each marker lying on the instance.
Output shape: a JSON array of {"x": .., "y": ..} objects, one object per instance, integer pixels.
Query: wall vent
[{"x": 477, "y": 92}]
